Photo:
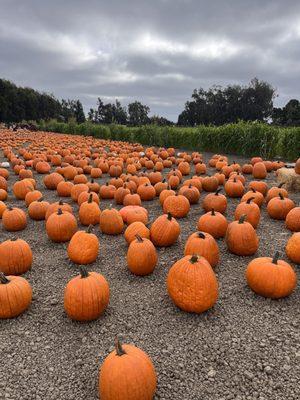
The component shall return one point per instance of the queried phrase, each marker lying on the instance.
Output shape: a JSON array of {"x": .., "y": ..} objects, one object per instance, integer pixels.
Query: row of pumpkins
[{"x": 136, "y": 176}]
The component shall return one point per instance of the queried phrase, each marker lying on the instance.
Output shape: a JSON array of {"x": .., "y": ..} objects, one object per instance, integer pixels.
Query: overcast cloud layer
[{"x": 156, "y": 51}]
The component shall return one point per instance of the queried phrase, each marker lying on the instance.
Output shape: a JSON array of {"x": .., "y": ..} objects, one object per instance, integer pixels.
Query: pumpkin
[
  {"x": 210, "y": 184},
  {"x": 192, "y": 284},
  {"x": 259, "y": 170},
  {"x": 84, "y": 196},
  {"x": 21, "y": 188},
  {"x": 77, "y": 189},
  {"x": 166, "y": 193},
  {"x": 15, "y": 257},
  {"x": 279, "y": 207},
  {"x": 37, "y": 209},
  {"x": 61, "y": 226},
  {"x": 191, "y": 193},
  {"x": 146, "y": 192},
  {"x": 255, "y": 160},
  {"x": 203, "y": 244},
  {"x": 292, "y": 220},
  {"x": 241, "y": 238},
  {"x": 120, "y": 193},
  {"x": 32, "y": 196},
  {"x": 2, "y": 208},
  {"x": 293, "y": 248},
  {"x": 3, "y": 183},
  {"x": 250, "y": 209},
  {"x": 86, "y": 296},
  {"x": 3, "y": 195},
  {"x": 215, "y": 201},
  {"x": 214, "y": 223},
  {"x": 89, "y": 212},
  {"x": 164, "y": 231},
  {"x": 14, "y": 219},
  {"x": 234, "y": 188},
  {"x": 52, "y": 180},
  {"x": 136, "y": 228},
  {"x": 15, "y": 295},
  {"x": 64, "y": 188},
  {"x": 177, "y": 206},
  {"x": 111, "y": 222},
  {"x": 141, "y": 256},
  {"x": 53, "y": 208},
  {"x": 160, "y": 186},
  {"x": 274, "y": 192},
  {"x": 259, "y": 186},
  {"x": 272, "y": 278},
  {"x": 256, "y": 196},
  {"x": 138, "y": 210},
  {"x": 247, "y": 169},
  {"x": 83, "y": 247},
  {"x": 127, "y": 373},
  {"x": 132, "y": 200}
]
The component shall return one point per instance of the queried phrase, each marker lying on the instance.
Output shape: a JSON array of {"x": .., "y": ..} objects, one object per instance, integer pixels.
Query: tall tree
[{"x": 138, "y": 114}]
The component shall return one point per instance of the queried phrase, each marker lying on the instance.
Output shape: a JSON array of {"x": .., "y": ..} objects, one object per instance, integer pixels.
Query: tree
[
  {"x": 219, "y": 105},
  {"x": 138, "y": 113},
  {"x": 289, "y": 115},
  {"x": 78, "y": 112}
]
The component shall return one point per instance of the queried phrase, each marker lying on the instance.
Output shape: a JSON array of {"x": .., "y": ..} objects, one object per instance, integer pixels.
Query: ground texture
[{"x": 245, "y": 348}]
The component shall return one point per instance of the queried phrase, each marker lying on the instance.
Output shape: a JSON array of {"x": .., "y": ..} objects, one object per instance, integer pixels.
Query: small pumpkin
[
  {"x": 259, "y": 170},
  {"x": 279, "y": 207},
  {"x": 89, "y": 212},
  {"x": 136, "y": 228},
  {"x": 2, "y": 208},
  {"x": 191, "y": 193},
  {"x": 293, "y": 248},
  {"x": 164, "y": 231},
  {"x": 86, "y": 296},
  {"x": 210, "y": 184},
  {"x": 141, "y": 256},
  {"x": 192, "y": 284},
  {"x": 127, "y": 373},
  {"x": 250, "y": 209},
  {"x": 241, "y": 238},
  {"x": 51, "y": 181},
  {"x": 61, "y": 226},
  {"x": 146, "y": 192},
  {"x": 256, "y": 196},
  {"x": 272, "y": 278},
  {"x": 215, "y": 201},
  {"x": 53, "y": 208},
  {"x": 234, "y": 188},
  {"x": 15, "y": 295},
  {"x": 83, "y": 247},
  {"x": 178, "y": 206},
  {"x": 14, "y": 219},
  {"x": 203, "y": 244},
  {"x": 292, "y": 220},
  {"x": 111, "y": 222},
  {"x": 214, "y": 223},
  {"x": 274, "y": 192},
  {"x": 37, "y": 209},
  {"x": 15, "y": 257}
]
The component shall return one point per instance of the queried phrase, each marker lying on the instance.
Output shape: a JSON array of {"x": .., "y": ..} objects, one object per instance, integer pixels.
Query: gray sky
[{"x": 156, "y": 51}]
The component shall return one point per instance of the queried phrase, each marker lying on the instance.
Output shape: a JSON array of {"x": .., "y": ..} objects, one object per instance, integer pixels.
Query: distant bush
[{"x": 243, "y": 138}]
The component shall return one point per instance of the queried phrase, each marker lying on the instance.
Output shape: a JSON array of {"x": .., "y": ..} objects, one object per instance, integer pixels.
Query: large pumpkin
[
  {"x": 292, "y": 221},
  {"x": 61, "y": 226},
  {"x": 83, "y": 247},
  {"x": 293, "y": 248},
  {"x": 250, "y": 209},
  {"x": 177, "y": 206},
  {"x": 213, "y": 223},
  {"x": 164, "y": 231},
  {"x": 272, "y": 278},
  {"x": 192, "y": 284},
  {"x": 15, "y": 257},
  {"x": 241, "y": 238},
  {"x": 141, "y": 256},
  {"x": 203, "y": 244},
  {"x": 111, "y": 222},
  {"x": 86, "y": 296},
  {"x": 127, "y": 373},
  {"x": 15, "y": 295},
  {"x": 14, "y": 219}
]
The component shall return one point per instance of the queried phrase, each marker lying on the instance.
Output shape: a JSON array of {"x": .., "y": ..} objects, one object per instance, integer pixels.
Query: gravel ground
[{"x": 246, "y": 347}]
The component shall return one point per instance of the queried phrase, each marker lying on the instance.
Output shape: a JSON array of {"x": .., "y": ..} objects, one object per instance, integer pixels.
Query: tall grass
[{"x": 243, "y": 138}]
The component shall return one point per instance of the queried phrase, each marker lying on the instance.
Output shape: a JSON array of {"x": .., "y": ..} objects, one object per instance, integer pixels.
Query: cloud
[{"x": 157, "y": 51}]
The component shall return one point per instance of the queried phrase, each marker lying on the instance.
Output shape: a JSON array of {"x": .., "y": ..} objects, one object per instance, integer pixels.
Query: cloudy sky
[{"x": 156, "y": 51}]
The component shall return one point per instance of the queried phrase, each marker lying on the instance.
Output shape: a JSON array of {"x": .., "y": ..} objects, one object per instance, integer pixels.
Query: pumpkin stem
[
  {"x": 218, "y": 191},
  {"x": 10, "y": 208},
  {"x": 213, "y": 211},
  {"x": 275, "y": 258},
  {"x": 83, "y": 271},
  {"x": 90, "y": 200},
  {"x": 201, "y": 235},
  {"x": 60, "y": 203},
  {"x": 14, "y": 239},
  {"x": 139, "y": 238},
  {"x": 194, "y": 259},
  {"x": 169, "y": 216},
  {"x": 59, "y": 211},
  {"x": 40, "y": 199},
  {"x": 119, "y": 349},
  {"x": 3, "y": 279},
  {"x": 253, "y": 190},
  {"x": 90, "y": 228},
  {"x": 281, "y": 184},
  {"x": 281, "y": 196},
  {"x": 242, "y": 218},
  {"x": 250, "y": 199}
]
